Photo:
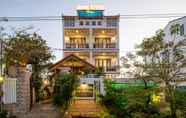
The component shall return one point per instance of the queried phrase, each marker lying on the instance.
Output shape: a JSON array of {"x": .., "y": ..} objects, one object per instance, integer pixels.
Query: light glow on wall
[
  {"x": 67, "y": 39},
  {"x": 83, "y": 86}
]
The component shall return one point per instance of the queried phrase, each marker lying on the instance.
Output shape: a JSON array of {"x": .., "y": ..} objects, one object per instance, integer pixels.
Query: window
[
  {"x": 103, "y": 62},
  {"x": 69, "y": 23},
  {"x": 111, "y": 22},
  {"x": 81, "y": 23},
  {"x": 87, "y": 23},
  {"x": 182, "y": 30},
  {"x": 93, "y": 23},
  {"x": 99, "y": 23}
]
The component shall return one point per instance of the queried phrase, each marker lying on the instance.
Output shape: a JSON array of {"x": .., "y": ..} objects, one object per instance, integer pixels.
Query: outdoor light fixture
[
  {"x": 1, "y": 79},
  {"x": 155, "y": 98},
  {"x": 83, "y": 85},
  {"x": 46, "y": 82}
]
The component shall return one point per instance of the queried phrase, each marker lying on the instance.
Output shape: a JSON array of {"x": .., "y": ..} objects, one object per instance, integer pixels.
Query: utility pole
[
  {"x": 62, "y": 22},
  {"x": 1, "y": 76}
]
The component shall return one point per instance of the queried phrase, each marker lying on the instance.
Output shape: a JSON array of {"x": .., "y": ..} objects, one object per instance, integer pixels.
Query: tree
[
  {"x": 165, "y": 61},
  {"x": 65, "y": 85},
  {"x": 24, "y": 48},
  {"x": 134, "y": 67}
]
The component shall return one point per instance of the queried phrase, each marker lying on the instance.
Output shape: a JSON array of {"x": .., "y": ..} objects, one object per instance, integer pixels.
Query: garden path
[{"x": 84, "y": 109}]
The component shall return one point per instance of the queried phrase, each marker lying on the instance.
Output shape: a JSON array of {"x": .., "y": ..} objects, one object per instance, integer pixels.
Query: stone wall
[
  {"x": 23, "y": 96},
  {"x": 23, "y": 92}
]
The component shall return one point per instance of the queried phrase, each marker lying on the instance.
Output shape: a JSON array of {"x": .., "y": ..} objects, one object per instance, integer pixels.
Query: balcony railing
[
  {"x": 101, "y": 45},
  {"x": 111, "y": 69},
  {"x": 74, "y": 45}
]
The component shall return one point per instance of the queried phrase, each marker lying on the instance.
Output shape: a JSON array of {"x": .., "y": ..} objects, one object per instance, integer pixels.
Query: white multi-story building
[
  {"x": 182, "y": 35},
  {"x": 93, "y": 37},
  {"x": 177, "y": 37}
]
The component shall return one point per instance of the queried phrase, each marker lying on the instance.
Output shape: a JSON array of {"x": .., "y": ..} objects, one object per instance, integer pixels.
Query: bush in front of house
[
  {"x": 130, "y": 102},
  {"x": 65, "y": 84}
]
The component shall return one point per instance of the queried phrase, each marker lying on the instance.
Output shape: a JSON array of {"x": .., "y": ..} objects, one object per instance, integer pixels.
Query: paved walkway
[
  {"x": 43, "y": 110},
  {"x": 84, "y": 109}
]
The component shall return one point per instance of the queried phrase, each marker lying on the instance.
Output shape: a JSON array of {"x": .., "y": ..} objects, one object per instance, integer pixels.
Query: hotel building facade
[{"x": 93, "y": 37}]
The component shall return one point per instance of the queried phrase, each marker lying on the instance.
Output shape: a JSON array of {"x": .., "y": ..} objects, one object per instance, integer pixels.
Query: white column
[{"x": 91, "y": 46}]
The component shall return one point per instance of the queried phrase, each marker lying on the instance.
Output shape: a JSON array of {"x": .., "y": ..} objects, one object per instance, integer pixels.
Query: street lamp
[
  {"x": 1, "y": 79},
  {"x": 1, "y": 92},
  {"x": 1, "y": 71},
  {"x": 1, "y": 64}
]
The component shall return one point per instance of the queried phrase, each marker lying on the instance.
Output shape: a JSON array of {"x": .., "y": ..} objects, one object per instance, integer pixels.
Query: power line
[{"x": 55, "y": 18}]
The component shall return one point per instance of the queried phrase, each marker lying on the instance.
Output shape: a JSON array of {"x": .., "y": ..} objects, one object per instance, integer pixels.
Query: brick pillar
[{"x": 23, "y": 91}]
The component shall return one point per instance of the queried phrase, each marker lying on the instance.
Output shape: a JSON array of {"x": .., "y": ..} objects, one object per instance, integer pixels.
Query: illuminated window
[{"x": 103, "y": 62}]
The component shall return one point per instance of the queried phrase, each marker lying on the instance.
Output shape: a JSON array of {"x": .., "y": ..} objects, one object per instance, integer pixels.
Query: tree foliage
[
  {"x": 165, "y": 61},
  {"x": 65, "y": 85},
  {"x": 22, "y": 48},
  {"x": 132, "y": 102}
]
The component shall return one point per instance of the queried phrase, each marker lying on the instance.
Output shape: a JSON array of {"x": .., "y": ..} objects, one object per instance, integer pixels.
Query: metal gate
[{"x": 9, "y": 90}]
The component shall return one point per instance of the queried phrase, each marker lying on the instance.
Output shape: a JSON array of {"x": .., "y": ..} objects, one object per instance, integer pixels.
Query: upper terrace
[{"x": 91, "y": 16}]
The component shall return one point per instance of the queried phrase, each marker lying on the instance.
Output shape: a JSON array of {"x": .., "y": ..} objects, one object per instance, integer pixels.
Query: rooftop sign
[{"x": 90, "y": 11}]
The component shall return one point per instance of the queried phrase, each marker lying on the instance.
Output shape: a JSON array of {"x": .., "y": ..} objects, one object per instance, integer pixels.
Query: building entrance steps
[{"x": 84, "y": 109}]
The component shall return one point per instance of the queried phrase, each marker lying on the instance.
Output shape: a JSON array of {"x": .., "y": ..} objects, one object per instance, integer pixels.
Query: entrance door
[{"x": 85, "y": 91}]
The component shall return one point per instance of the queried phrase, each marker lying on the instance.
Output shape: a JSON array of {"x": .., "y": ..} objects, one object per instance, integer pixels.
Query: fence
[{"x": 9, "y": 90}]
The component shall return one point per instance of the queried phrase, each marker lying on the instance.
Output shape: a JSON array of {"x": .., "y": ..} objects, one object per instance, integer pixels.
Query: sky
[{"x": 132, "y": 31}]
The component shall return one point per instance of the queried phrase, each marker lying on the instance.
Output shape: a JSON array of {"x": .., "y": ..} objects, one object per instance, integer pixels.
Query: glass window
[
  {"x": 94, "y": 23},
  {"x": 87, "y": 23},
  {"x": 182, "y": 30},
  {"x": 69, "y": 23},
  {"x": 99, "y": 23},
  {"x": 81, "y": 23},
  {"x": 111, "y": 22}
]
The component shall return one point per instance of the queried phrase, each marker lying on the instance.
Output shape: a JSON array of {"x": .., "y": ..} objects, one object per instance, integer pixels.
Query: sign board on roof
[{"x": 90, "y": 11}]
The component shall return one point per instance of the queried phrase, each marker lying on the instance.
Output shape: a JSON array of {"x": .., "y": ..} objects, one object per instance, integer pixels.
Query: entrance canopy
[{"x": 72, "y": 63}]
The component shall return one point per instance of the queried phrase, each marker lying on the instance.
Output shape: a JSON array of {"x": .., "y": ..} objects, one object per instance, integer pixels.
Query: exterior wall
[
  {"x": 179, "y": 37},
  {"x": 168, "y": 35},
  {"x": 93, "y": 31}
]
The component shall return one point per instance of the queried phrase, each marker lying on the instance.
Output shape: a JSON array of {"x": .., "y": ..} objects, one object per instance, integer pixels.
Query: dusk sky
[{"x": 132, "y": 31}]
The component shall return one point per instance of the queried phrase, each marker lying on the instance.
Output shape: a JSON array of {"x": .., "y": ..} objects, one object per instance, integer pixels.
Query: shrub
[
  {"x": 64, "y": 87},
  {"x": 4, "y": 114}
]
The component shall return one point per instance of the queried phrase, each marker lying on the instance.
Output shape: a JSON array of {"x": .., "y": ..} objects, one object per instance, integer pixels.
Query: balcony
[
  {"x": 111, "y": 69},
  {"x": 74, "y": 45},
  {"x": 109, "y": 45}
]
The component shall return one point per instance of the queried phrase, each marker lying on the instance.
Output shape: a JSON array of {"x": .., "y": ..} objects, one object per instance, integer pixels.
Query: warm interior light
[
  {"x": 77, "y": 31},
  {"x": 103, "y": 32},
  {"x": 1, "y": 79},
  {"x": 67, "y": 38}
]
